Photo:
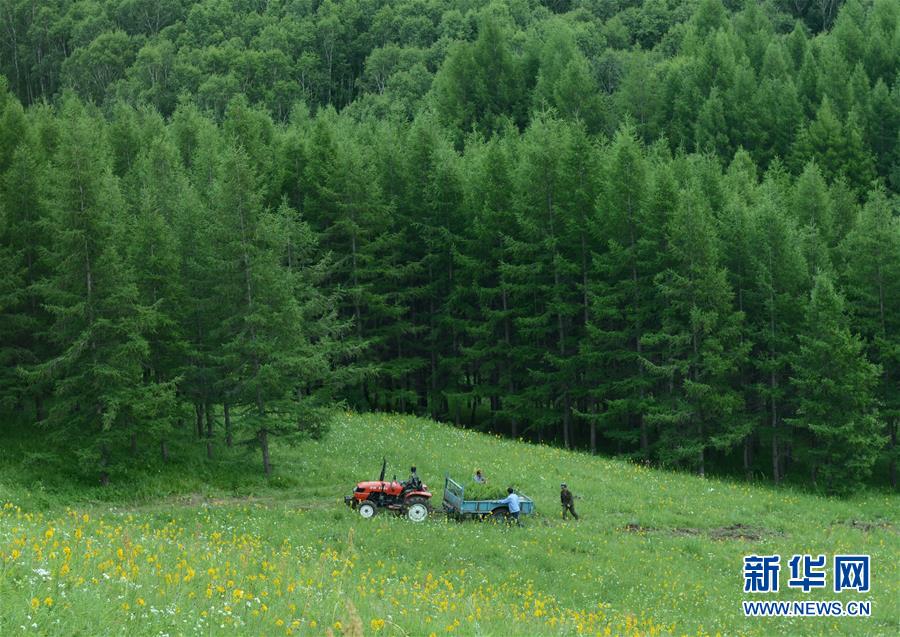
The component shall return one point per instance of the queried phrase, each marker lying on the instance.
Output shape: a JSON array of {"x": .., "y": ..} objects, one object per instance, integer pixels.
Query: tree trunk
[
  {"x": 893, "y": 445},
  {"x": 264, "y": 445},
  {"x": 39, "y": 411},
  {"x": 776, "y": 473},
  {"x": 104, "y": 466},
  {"x": 210, "y": 418},
  {"x": 164, "y": 450},
  {"x": 134, "y": 448},
  {"x": 748, "y": 458},
  {"x": 229, "y": 440},
  {"x": 209, "y": 449},
  {"x": 198, "y": 411},
  {"x": 702, "y": 456}
]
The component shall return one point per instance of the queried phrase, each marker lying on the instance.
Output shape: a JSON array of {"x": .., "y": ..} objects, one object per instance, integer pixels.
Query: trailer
[{"x": 457, "y": 507}]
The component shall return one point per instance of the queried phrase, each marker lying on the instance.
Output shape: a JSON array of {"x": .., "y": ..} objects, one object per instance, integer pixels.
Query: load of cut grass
[{"x": 476, "y": 491}]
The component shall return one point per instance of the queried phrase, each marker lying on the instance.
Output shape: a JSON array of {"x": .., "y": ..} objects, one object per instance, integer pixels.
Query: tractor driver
[{"x": 413, "y": 482}]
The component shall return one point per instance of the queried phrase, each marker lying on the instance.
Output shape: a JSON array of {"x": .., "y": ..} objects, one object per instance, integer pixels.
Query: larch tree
[
  {"x": 267, "y": 337},
  {"x": 835, "y": 385},
  {"x": 871, "y": 275},
  {"x": 98, "y": 323},
  {"x": 699, "y": 339}
]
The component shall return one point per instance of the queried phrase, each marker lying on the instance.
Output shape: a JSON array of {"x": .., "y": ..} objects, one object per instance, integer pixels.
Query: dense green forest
[{"x": 665, "y": 229}]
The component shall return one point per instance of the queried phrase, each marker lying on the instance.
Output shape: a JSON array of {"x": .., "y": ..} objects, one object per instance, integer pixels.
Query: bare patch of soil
[{"x": 730, "y": 532}]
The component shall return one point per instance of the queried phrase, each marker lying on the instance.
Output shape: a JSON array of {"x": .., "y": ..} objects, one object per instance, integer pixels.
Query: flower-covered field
[{"x": 655, "y": 553}]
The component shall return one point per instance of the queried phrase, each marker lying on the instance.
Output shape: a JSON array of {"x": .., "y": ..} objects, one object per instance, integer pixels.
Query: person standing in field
[
  {"x": 568, "y": 501},
  {"x": 479, "y": 477},
  {"x": 512, "y": 502}
]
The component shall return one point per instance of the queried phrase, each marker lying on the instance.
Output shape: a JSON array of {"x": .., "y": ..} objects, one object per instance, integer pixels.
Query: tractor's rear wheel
[
  {"x": 367, "y": 509},
  {"x": 417, "y": 509}
]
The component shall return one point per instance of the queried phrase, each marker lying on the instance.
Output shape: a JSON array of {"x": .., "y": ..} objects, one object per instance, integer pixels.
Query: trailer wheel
[
  {"x": 367, "y": 509},
  {"x": 499, "y": 515}
]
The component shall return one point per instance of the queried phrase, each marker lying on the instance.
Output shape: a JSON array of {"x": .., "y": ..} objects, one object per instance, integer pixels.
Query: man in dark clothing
[
  {"x": 568, "y": 502},
  {"x": 413, "y": 482}
]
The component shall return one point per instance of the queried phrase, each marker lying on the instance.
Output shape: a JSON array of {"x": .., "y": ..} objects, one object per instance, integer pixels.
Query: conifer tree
[
  {"x": 161, "y": 199},
  {"x": 774, "y": 309},
  {"x": 871, "y": 257},
  {"x": 622, "y": 293},
  {"x": 545, "y": 272},
  {"x": 99, "y": 326},
  {"x": 268, "y": 356},
  {"x": 699, "y": 342},
  {"x": 24, "y": 322},
  {"x": 835, "y": 385}
]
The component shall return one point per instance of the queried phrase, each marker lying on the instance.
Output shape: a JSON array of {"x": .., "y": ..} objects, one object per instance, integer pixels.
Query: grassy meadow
[{"x": 212, "y": 548}]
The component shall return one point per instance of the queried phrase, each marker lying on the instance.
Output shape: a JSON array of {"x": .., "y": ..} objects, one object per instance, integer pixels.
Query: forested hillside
[{"x": 664, "y": 229}]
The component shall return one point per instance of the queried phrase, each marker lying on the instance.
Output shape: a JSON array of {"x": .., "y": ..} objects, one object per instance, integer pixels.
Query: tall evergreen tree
[
  {"x": 99, "y": 326},
  {"x": 871, "y": 254},
  {"x": 774, "y": 308},
  {"x": 698, "y": 342},
  {"x": 267, "y": 351},
  {"x": 161, "y": 194},
  {"x": 622, "y": 293},
  {"x": 24, "y": 323},
  {"x": 545, "y": 274},
  {"x": 835, "y": 385}
]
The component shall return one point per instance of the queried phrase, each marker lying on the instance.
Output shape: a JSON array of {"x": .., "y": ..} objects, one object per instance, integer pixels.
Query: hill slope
[{"x": 655, "y": 553}]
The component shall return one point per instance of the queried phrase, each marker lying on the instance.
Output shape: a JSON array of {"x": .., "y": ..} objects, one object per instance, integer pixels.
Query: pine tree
[
  {"x": 835, "y": 386},
  {"x": 698, "y": 343},
  {"x": 544, "y": 271},
  {"x": 838, "y": 149},
  {"x": 24, "y": 323},
  {"x": 491, "y": 346},
  {"x": 268, "y": 355},
  {"x": 429, "y": 223},
  {"x": 622, "y": 293},
  {"x": 162, "y": 197},
  {"x": 99, "y": 326},
  {"x": 774, "y": 309},
  {"x": 711, "y": 132},
  {"x": 871, "y": 254}
]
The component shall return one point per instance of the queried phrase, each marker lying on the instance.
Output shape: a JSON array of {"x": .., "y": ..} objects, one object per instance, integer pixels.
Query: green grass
[{"x": 201, "y": 547}]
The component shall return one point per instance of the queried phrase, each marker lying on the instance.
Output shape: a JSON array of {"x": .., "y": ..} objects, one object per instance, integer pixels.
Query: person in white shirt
[
  {"x": 479, "y": 477},
  {"x": 512, "y": 501}
]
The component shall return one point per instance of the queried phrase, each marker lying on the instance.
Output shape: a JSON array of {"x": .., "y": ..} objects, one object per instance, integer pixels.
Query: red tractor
[{"x": 410, "y": 498}]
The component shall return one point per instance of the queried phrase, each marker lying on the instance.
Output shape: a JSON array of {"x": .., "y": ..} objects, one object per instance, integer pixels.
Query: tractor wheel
[
  {"x": 417, "y": 509},
  {"x": 367, "y": 509}
]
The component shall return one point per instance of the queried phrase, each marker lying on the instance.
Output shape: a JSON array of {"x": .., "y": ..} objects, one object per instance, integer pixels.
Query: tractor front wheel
[
  {"x": 367, "y": 509},
  {"x": 417, "y": 509}
]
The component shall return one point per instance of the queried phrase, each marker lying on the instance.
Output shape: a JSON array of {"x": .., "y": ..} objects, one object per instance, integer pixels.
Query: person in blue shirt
[{"x": 512, "y": 501}]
